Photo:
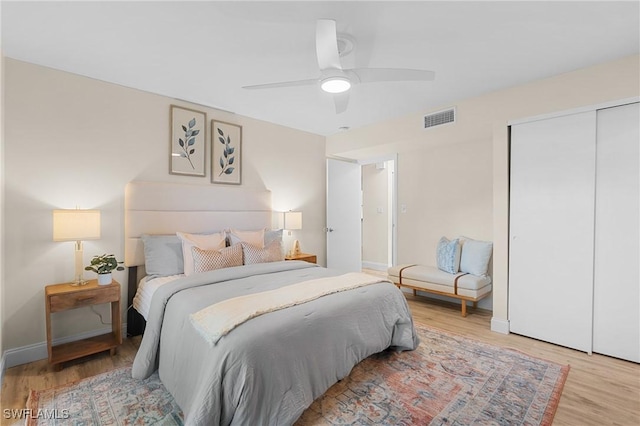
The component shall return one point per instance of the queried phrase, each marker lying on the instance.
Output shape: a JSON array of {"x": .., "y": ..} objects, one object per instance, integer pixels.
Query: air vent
[{"x": 440, "y": 117}]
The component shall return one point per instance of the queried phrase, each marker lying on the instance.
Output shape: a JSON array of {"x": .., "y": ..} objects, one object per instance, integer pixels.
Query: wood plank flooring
[{"x": 599, "y": 390}]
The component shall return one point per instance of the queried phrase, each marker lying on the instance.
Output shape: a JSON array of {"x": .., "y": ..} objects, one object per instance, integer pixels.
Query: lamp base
[{"x": 79, "y": 282}]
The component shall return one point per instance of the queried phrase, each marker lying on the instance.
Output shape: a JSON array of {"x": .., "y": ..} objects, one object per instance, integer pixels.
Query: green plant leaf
[
  {"x": 192, "y": 122},
  {"x": 181, "y": 142},
  {"x": 184, "y": 128},
  {"x": 229, "y": 171},
  {"x": 225, "y": 153},
  {"x": 228, "y": 139},
  {"x": 231, "y": 159},
  {"x": 220, "y": 132},
  {"x": 191, "y": 141},
  {"x": 192, "y": 151},
  {"x": 231, "y": 149},
  {"x": 221, "y": 140},
  {"x": 195, "y": 132},
  {"x": 221, "y": 162}
]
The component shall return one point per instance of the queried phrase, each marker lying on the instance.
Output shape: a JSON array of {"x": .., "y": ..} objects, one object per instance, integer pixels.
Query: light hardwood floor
[{"x": 599, "y": 390}]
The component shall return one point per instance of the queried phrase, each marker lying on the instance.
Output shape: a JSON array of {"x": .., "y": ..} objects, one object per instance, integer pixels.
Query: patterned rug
[{"x": 449, "y": 379}]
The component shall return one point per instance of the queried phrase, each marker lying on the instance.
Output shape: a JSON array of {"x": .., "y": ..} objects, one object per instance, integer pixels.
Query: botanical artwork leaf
[
  {"x": 188, "y": 148},
  {"x": 226, "y": 159}
]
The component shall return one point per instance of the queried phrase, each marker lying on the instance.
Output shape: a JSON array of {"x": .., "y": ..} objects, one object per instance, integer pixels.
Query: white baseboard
[
  {"x": 376, "y": 266},
  {"x": 500, "y": 325},
  {"x": 38, "y": 351}
]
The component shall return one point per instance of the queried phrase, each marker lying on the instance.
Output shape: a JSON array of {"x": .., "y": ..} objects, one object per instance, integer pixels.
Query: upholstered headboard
[{"x": 165, "y": 208}]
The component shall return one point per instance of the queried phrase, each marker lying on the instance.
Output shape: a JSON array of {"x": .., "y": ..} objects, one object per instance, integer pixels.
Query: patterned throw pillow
[
  {"x": 448, "y": 255},
  {"x": 208, "y": 260},
  {"x": 271, "y": 253},
  {"x": 202, "y": 241}
]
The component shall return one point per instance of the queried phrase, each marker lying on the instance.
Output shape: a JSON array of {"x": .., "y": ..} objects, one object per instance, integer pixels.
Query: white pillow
[
  {"x": 475, "y": 256},
  {"x": 203, "y": 242},
  {"x": 255, "y": 238}
]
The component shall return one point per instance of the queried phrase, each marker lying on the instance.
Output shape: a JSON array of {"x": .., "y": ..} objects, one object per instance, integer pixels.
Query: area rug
[{"x": 449, "y": 379}]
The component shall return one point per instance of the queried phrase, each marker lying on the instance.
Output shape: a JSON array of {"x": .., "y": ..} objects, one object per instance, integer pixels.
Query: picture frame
[
  {"x": 187, "y": 145},
  {"x": 226, "y": 153}
]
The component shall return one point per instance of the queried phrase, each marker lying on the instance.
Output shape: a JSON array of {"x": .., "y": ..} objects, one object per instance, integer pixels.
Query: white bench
[{"x": 430, "y": 279}]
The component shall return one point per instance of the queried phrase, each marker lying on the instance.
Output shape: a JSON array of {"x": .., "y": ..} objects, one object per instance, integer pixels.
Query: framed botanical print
[
  {"x": 226, "y": 153},
  {"x": 188, "y": 142}
]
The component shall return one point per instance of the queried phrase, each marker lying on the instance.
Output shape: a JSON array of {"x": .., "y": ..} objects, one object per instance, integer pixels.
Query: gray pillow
[
  {"x": 162, "y": 255},
  {"x": 272, "y": 235}
]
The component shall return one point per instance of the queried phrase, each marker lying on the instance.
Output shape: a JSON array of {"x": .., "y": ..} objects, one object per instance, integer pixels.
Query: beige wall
[
  {"x": 72, "y": 140},
  {"x": 454, "y": 179},
  {"x": 1, "y": 212}
]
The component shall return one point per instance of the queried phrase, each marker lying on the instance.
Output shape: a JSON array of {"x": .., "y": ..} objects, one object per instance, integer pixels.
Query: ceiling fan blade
[
  {"x": 282, "y": 84},
  {"x": 327, "y": 44},
  {"x": 341, "y": 100},
  {"x": 371, "y": 75}
]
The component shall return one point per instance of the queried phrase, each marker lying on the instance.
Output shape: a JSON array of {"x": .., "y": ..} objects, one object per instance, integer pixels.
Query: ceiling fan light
[{"x": 335, "y": 84}]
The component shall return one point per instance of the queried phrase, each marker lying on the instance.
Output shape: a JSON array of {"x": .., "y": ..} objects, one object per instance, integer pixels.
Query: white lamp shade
[
  {"x": 76, "y": 225},
  {"x": 292, "y": 220}
]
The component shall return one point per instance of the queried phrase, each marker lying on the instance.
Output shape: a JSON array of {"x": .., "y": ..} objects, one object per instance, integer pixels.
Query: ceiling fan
[{"x": 337, "y": 80}]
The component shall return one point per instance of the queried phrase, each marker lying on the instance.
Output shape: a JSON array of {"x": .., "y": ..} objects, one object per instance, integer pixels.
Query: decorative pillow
[
  {"x": 255, "y": 238},
  {"x": 448, "y": 255},
  {"x": 208, "y": 260},
  {"x": 162, "y": 255},
  {"x": 271, "y": 253},
  {"x": 475, "y": 256},
  {"x": 202, "y": 241}
]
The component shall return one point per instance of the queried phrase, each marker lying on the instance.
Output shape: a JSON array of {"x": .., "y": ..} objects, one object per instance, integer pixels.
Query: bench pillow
[
  {"x": 448, "y": 255},
  {"x": 475, "y": 256}
]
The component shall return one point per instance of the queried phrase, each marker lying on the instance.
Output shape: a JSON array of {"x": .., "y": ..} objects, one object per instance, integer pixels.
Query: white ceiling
[{"x": 204, "y": 52}]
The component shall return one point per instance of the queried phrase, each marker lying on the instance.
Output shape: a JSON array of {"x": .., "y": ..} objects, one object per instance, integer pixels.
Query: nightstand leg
[{"x": 112, "y": 351}]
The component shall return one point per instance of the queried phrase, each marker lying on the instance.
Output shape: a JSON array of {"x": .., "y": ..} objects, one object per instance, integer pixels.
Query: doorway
[
  {"x": 378, "y": 214},
  {"x": 360, "y": 224}
]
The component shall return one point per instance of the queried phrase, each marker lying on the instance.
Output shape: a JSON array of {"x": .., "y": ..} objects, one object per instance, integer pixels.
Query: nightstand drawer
[{"x": 61, "y": 302}]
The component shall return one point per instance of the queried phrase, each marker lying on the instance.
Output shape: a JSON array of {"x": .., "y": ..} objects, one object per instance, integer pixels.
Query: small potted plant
[{"x": 103, "y": 266}]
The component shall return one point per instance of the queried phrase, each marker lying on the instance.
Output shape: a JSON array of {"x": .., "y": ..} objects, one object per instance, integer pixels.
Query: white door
[
  {"x": 616, "y": 316},
  {"x": 551, "y": 229},
  {"x": 344, "y": 212}
]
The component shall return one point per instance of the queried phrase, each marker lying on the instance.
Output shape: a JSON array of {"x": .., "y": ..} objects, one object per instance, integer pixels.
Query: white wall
[
  {"x": 454, "y": 178},
  {"x": 72, "y": 140}
]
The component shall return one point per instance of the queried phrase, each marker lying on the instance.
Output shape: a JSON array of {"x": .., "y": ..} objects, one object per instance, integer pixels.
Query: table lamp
[
  {"x": 292, "y": 222},
  {"x": 76, "y": 225}
]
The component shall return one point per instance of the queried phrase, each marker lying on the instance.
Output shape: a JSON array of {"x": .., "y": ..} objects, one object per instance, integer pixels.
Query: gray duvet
[{"x": 268, "y": 370}]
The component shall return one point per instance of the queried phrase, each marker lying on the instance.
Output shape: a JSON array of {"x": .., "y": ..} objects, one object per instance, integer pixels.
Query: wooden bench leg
[
  {"x": 415, "y": 293},
  {"x": 464, "y": 308}
]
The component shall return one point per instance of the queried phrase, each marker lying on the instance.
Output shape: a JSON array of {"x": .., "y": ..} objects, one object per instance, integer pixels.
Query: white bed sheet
[{"x": 146, "y": 288}]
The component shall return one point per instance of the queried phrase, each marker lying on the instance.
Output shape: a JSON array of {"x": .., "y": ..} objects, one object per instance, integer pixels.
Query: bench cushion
[{"x": 432, "y": 278}]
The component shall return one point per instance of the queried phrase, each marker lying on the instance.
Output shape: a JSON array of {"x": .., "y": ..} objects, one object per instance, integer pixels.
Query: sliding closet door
[
  {"x": 551, "y": 229},
  {"x": 616, "y": 327}
]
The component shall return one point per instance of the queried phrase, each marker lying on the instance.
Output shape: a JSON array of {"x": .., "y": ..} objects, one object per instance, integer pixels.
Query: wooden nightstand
[
  {"x": 62, "y": 297},
  {"x": 311, "y": 258}
]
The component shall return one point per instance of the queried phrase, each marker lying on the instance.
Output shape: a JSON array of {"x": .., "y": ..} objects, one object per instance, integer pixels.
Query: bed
[{"x": 269, "y": 366}]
